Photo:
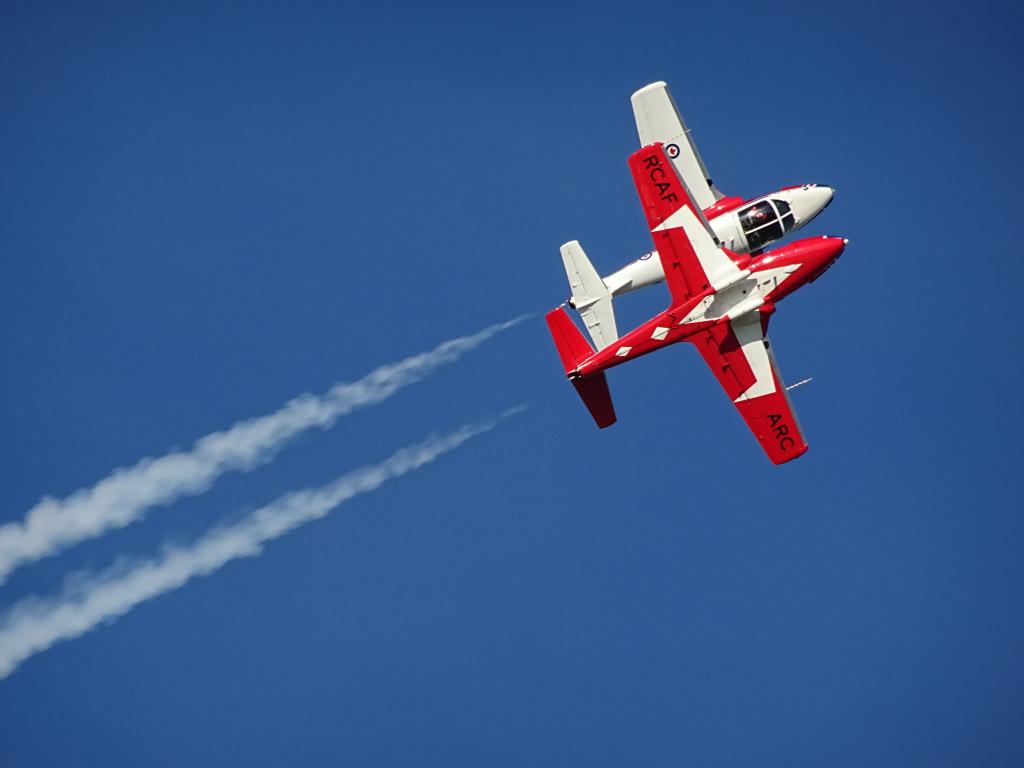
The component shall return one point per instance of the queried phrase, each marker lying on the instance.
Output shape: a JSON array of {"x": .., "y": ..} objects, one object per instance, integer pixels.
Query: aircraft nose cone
[
  {"x": 841, "y": 246},
  {"x": 824, "y": 254},
  {"x": 833, "y": 247},
  {"x": 808, "y": 201}
]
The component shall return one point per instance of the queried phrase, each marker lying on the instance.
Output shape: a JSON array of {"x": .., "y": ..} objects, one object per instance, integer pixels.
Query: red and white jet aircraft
[
  {"x": 721, "y": 302},
  {"x": 743, "y": 226}
]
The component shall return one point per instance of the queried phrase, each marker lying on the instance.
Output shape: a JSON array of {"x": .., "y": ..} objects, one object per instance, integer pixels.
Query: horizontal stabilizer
[
  {"x": 590, "y": 296},
  {"x": 595, "y": 395},
  {"x": 571, "y": 346},
  {"x": 573, "y": 349}
]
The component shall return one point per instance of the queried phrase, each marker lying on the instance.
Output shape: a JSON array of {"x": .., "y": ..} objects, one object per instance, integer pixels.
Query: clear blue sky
[{"x": 207, "y": 212}]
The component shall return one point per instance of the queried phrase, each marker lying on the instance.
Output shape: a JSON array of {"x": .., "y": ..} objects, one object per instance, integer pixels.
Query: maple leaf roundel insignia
[{"x": 672, "y": 150}]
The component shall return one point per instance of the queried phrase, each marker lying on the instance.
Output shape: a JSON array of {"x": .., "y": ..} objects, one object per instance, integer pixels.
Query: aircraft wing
[
  {"x": 692, "y": 257},
  {"x": 741, "y": 358},
  {"x": 658, "y": 120}
]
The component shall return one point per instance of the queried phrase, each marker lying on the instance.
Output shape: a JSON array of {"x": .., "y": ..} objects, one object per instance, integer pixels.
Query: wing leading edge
[{"x": 740, "y": 356}]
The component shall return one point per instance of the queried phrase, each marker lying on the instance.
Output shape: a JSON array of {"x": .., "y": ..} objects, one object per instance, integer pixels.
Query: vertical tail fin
[
  {"x": 573, "y": 349},
  {"x": 590, "y": 296}
]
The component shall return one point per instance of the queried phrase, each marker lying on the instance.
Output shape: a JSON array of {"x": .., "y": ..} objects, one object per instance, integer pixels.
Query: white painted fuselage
[{"x": 745, "y": 228}]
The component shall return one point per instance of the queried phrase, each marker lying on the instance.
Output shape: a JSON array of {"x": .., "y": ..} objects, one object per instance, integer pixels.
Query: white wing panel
[
  {"x": 657, "y": 119},
  {"x": 754, "y": 345}
]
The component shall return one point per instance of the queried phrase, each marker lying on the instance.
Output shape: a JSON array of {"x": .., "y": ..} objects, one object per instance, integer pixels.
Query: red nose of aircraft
[{"x": 822, "y": 253}]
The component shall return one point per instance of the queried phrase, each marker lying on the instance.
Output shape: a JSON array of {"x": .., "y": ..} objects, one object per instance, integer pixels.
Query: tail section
[
  {"x": 595, "y": 395},
  {"x": 573, "y": 349},
  {"x": 590, "y": 296}
]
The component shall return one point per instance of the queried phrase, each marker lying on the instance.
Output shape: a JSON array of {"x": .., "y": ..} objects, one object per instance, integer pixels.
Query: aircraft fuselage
[
  {"x": 762, "y": 282},
  {"x": 742, "y": 226}
]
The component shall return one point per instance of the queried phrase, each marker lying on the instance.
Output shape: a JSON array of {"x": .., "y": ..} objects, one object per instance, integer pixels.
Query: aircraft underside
[{"x": 721, "y": 299}]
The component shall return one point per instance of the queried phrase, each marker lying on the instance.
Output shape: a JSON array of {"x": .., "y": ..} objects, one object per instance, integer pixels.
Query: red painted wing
[
  {"x": 661, "y": 195},
  {"x": 722, "y": 352},
  {"x": 739, "y": 355},
  {"x": 773, "y": 422}
]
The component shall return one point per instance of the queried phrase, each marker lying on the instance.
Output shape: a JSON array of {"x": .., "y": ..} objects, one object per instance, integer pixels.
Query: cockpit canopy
[{"x": 766, "y": 221}]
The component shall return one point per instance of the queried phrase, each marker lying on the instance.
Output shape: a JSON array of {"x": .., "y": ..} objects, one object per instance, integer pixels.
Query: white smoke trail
[
  {"x": 33, "y": 625},
  {"x": 126, "y": 495}
]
